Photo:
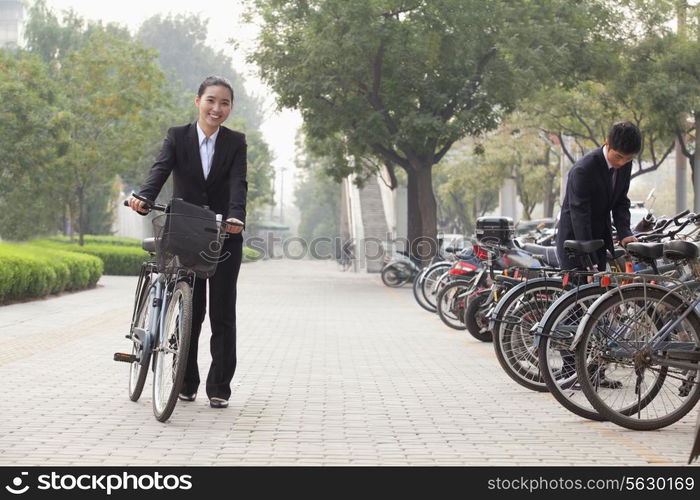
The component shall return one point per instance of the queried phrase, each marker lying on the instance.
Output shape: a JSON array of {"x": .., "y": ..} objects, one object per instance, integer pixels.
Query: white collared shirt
[{"x": 206, "y": 149}]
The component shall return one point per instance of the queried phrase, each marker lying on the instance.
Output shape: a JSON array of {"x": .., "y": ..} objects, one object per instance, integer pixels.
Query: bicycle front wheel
[
  {"x": 171, "y": 353},
  {"x": 138, "y": 370},
  {"x": 556, "y": 358},
  {"x": 623, "y": 363},
  {"x": 451, "y": 302},
  {"x": 426, "y": 279},
  {"x": 513, "y": 339}
]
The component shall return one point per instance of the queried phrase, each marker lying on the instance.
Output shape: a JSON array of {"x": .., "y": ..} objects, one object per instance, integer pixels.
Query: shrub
[
  {"x": 90, "y": 239},
  {"x": 118, "y": 259},
  {"x": 28, "y": 270},
  {"x": 251, "y": 255}
]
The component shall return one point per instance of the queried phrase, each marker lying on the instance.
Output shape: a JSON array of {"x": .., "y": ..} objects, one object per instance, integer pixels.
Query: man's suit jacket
[
  {"x": 588, "y": 202},
  {"x": 224, "y": 189}
]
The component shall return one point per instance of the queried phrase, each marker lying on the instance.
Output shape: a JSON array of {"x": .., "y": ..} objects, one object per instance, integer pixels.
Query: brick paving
[{"x": 334, "y": 369}]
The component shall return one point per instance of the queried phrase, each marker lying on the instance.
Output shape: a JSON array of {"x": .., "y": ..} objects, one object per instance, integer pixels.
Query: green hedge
[
  {"x": 91, "y": 239},
  {"x": 251, "y": 255},
  {"x": 118, "y": 259},
  {"x": 28, "y": 270}
]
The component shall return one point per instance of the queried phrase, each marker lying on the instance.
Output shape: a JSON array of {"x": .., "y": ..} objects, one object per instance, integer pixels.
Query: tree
[
  {"x": 317, "y": 199},
  {"x": 28, "y": 187},
  {"x": 115, "y": 90},
  {"x": 670, "y": 81},
  {"x": 403, "y": 80},
  {"x": 466, "y": 187}
]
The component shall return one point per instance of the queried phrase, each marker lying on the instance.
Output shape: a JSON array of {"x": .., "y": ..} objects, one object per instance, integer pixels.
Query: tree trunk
[
  {"x": 695, "y": 164},
  {"x": 422, "y": 212},
  {"x": 81, "y": 216},
  {"x": 549, "y": 194}
]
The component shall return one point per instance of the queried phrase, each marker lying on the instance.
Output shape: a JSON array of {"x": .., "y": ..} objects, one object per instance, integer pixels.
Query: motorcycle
[{"x": 399, "y": 269}]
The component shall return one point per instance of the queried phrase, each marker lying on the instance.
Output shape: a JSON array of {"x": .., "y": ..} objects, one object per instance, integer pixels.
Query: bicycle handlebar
[
  {"x": 150, "y": 204},
  {"x": 658, "y": 233}
]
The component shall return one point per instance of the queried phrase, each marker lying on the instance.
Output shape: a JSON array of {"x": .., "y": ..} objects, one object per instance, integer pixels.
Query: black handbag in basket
[{"x": 189, "y": 238}]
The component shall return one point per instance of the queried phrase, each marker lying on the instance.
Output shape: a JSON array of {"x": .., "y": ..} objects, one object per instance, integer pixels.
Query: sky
[{"x": 225, "y": 22}]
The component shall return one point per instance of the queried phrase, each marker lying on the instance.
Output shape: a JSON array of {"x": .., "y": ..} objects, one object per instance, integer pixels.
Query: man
[{"x": 597, "y": 186}]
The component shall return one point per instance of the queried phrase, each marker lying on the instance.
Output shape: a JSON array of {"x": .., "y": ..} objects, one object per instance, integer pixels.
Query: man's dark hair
[
  {"x": 211, "y": 81},
  {"x": 625, "y": 137}
]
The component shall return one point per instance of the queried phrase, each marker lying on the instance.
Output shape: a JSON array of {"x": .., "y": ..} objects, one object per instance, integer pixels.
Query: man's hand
[
  {"x": 628, "y": 239},
  {"x": 234, "y": 229}
]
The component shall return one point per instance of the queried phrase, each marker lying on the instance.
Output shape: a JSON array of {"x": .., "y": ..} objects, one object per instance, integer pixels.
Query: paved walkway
[{"x": 334, "y": 369}]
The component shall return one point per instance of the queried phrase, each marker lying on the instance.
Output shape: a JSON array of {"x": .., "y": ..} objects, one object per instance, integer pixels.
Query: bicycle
[
  {"x": 647, "y": 334},
  {"x": 186, "y": 246},
  {"x": 558, "y": 326}
]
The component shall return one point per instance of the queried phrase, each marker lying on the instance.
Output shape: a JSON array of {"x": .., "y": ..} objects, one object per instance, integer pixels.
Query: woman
[{"x": 208, "y": 164}]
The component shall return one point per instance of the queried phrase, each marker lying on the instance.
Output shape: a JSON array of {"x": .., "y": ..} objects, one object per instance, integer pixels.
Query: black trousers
[{"x": 222, "y": 315}]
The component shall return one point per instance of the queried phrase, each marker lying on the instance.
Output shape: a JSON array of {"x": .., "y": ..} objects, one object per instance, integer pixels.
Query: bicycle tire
[
  {"x": 427, "y": 279},
  {"x": 475, "y": 318},
  {"x": 138, "y": 370},
  {"x": 450, "y": 305},
  {"x": 431, "y": 289},
  {"x": 561, "y": 381},
  {"x": 178, "y": 330},
  {"x": 519, "y": 310},
  {"x": 416, "y": 286},
  {"x": 615, "y": 309}
]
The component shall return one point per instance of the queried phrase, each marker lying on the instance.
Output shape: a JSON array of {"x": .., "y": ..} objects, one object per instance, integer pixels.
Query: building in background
[{"x": 11, "y": 18}]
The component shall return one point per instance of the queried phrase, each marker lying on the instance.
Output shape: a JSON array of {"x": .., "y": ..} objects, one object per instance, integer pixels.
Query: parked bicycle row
[{"x": 621, "y": 345}]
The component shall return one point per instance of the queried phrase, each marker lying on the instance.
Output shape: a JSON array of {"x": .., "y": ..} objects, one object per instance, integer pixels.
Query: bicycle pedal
[{"x": 125, "y": 358}]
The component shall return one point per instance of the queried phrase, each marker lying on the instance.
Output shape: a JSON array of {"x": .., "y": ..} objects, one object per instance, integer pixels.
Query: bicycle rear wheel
[
  {"x": 451, "y": 302},
  {"x": 624, "y": 379},
  {"x": 171, "y": 354},
  {"x": 475, "y": 316}
]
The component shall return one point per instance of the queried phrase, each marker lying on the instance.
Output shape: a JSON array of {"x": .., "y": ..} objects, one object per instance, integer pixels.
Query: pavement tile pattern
[{"x": 333, "y": 369}]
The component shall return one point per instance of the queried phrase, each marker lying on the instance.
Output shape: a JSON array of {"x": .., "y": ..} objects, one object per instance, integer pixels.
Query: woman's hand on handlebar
[
  {"x": 234, "y": 226},
  {"x": 137, "y": 205}
]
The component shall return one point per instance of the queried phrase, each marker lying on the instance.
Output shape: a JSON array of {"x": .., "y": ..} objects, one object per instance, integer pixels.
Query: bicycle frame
[{"x": 657, "y": 342}]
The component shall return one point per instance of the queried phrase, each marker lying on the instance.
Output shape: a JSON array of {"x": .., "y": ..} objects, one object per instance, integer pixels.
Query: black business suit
[
  {"x": 588, "y": 202},
  {"x": 224, "y": 191}
]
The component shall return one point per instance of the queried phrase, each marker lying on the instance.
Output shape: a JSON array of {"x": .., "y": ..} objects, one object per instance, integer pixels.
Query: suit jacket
[
  {"x": 224, "y": 189},
  {"x": 588, "y": 202}
]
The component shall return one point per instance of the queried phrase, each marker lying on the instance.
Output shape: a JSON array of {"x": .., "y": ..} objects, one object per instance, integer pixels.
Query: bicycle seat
[
  {"x": 548, "y": 254},
  {"x": 678, "y": 250},
  {"x": 149, "y": 244},
  {"x": 577, "y": 247},
  {"x": 646, "y": 251}
]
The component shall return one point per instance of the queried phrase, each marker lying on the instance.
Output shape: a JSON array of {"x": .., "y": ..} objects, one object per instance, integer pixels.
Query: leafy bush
[
  {"x": 28, "y": 270},
  {"x": 119, "y": 259},
  {"x": 90, "y": 239},
  {"x": 251, "y": 255}
]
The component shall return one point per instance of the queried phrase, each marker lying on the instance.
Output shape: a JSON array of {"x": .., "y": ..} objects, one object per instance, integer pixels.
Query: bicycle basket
[{"x": 187, "y": 236}]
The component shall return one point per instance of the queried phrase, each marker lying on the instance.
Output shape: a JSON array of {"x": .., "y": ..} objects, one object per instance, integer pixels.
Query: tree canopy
[{"x": 403, "y": 80}]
